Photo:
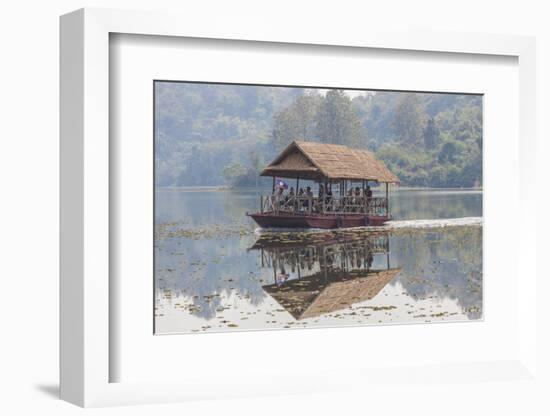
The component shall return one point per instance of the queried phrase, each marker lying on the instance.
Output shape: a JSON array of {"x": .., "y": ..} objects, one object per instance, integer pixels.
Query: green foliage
[
  {"x": 234, "y": 171},
  {"x": 326, "y": 119},
  {"x": 430, "y": 140},
  {"x": 297, "y": 121},
  {"x": 202, "y": 128},
  {"x": 336, "y": 120},
  {"x": 408, "y": 121},
  {"x": 431, "y": 135},
  {"x": 208, "y": 134},
  {"x": 236, "y": 174}
]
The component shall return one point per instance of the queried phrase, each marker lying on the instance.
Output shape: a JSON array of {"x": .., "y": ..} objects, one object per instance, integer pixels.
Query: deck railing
[{"x": 324, "y": 205}]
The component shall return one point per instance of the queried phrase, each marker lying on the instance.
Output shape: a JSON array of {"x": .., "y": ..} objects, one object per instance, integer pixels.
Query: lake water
[{"x": 215, "y": 270}]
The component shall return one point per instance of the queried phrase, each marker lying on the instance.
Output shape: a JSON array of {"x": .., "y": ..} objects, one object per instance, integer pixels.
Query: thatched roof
[
  {"x": 312, "y": 296},
  {"x": 316, "y": 161}
]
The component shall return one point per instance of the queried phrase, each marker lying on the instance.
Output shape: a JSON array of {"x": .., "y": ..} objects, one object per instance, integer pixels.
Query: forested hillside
[{"x": 208, "y": 134}]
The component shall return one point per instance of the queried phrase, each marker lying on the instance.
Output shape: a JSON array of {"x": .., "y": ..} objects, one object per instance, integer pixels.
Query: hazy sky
[{"x": 351, "y": 93}]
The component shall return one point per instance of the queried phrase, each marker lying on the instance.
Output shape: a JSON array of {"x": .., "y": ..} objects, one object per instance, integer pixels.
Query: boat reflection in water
[{"x": 325, "y": 272}]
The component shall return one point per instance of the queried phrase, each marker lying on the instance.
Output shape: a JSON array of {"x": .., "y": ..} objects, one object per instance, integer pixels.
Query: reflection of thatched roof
[
  {"x": 313, "y": 296},
  {"x": 309, "y": 160}
]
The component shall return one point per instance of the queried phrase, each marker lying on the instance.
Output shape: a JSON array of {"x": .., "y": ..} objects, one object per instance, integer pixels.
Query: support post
[
  {"x": 346, "y": 205},
  {"x": 324, "y": 196},
  {"x": 364, "y": 197},
  {"x": 296, "y": 201},
  {"x": 387, "y": 202},
  {"x": 273, "y": 187}
]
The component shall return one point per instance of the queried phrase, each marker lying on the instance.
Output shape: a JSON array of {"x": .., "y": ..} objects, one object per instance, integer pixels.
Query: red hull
[{"x": 272, "y": 220}]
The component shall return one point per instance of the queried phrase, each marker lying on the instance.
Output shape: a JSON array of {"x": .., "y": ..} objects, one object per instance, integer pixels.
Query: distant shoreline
[
  {"x": 198, "y": 188},
  {"x": 251, "y": 188}
]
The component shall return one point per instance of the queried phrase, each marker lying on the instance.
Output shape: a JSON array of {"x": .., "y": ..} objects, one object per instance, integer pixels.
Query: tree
[
  {"x": 431, "y": 135},
  {"x": 408, "y": 121},
  {"x": 305, "y": 109},
  {"x": 337, "y": 121},
  {"x": 255, "y": 165},
  {"x": 215, "y": 134},
  {"x": 450, "y": 151},
  {"x": 296, "y": 122},
  {"x": 284, "y": 130},
  {"x": 233, "y": 172}
]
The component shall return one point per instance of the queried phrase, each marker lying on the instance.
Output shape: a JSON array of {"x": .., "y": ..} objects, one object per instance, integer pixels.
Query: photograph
[{"x": 291, "y": 207}]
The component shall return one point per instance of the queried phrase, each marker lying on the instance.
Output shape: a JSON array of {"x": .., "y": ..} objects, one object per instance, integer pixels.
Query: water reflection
[
  {"x": 214, "y": 273},
  {"x": 325, "y": 274}
]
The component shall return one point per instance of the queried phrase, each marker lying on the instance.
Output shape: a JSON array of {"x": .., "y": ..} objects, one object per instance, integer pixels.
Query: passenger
[
  {"x": 309, "y": 194},
  {"x": 368, "y": 197},
  {"x": 279, "y": 197},
  {"x": 300, "y": 199},
  {"x": 328, "y": 199},
  {"x": 348, "y": 200},
  {"x": 307, "y": 198},
  {"x": 317, "y": 202},
  {"x": 290, "y": 199},
  {"x": 274, "y": 198},
  {"x": 357, "y": 202}
]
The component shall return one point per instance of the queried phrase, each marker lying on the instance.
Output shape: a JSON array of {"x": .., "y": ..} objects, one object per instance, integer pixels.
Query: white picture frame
[{"x": 85, "y": 198}]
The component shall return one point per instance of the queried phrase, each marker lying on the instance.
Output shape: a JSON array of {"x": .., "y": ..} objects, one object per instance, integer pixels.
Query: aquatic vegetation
[{"x": 222, "y": 275}]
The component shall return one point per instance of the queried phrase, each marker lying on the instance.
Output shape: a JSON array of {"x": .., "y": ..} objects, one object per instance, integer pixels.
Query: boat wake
[
  {"x": 392, "y": 225},
  {"x": 439, "y": 223}
]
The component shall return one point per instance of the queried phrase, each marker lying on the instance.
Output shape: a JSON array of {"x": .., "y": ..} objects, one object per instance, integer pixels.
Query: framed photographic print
[
  {"x": 273, "y": 210},
  {"x": 243, "y": 215}
]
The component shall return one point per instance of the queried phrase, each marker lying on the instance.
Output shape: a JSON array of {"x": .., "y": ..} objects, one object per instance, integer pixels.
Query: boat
[{"x": 343, "y": 177}]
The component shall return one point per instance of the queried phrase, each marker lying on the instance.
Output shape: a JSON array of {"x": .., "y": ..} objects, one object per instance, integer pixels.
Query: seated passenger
[
  {"x": 357, "y": 202},
  {"x": 290, "y": 199},
  {"x": 279, "y": 197},
  {"x": 328, "y": 198},
  {"x": 309, "y": 194}
]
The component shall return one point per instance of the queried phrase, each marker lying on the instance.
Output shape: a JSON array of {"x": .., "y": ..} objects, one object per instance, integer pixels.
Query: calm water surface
[{"x": 216, "y": 271}]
